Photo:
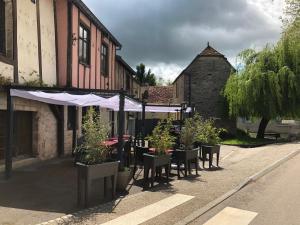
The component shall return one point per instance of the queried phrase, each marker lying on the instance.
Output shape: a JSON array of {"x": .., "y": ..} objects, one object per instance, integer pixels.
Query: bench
[{"x": 275, "y": 135}]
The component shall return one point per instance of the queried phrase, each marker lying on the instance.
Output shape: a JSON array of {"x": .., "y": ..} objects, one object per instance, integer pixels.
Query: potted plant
[
  {"x": 94, "y": 161},
  {"x": 162, "y": 141},
  {"x": 209, "y": 137},
  {"x": 187, "y": 153},
  {"x": 124, "y": 176}
]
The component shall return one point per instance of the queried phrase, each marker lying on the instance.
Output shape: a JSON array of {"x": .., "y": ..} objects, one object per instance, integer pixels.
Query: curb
[{"x": 193, "y": 216}]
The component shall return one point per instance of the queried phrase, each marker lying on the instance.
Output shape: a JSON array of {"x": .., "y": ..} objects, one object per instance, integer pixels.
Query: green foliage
[
  {"x": 145, "y": 77},
  {"x": 161, "y": 138},
  {"x": 188, "y": 133},
  {"x": 34, "y": 80},
  {"x": 95, "y": 133},
  {"x": 266, "y": 87},
  {"x": 206, "y": 132}
]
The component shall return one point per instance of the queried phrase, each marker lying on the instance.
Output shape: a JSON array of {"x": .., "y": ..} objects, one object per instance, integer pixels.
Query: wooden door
[{"x": 22, "y": 134}]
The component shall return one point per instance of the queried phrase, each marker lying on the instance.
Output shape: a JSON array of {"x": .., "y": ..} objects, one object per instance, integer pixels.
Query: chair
[
  {"x": 210, "y": 150},
  {"x": 127, "y": 152},
  {"x": 139, "y": 152}
]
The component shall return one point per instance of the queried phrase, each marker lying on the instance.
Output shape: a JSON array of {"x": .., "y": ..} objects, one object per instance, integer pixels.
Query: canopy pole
[
  {"x": 121, "y": 126},
  {"x": 10, "y": 125},
  {"x": 143, "y": 122}
]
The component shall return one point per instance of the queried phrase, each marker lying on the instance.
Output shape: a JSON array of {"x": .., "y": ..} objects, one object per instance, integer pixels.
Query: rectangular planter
[
  {"x": 88, "y": 173},
  {"x": 210, "y": 150},
  {"x": 153, "y": 162},
  {"x": 186, "y": 157}
]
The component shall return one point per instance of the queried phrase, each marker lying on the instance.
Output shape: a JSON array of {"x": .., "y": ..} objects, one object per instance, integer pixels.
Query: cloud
[{"x": 166, "y": 35}]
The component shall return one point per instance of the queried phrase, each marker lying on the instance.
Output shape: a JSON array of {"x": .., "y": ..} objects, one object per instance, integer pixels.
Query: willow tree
[{"x": 266, "y": 87}]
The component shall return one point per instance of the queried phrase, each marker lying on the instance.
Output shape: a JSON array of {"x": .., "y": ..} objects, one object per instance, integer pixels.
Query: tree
[
  {"x": 145, "y": 77},
  {"x": 266, "y": 87}
]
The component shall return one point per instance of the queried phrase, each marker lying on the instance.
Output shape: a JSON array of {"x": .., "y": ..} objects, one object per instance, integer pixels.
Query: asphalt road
[{"x": 275, "y": 198}]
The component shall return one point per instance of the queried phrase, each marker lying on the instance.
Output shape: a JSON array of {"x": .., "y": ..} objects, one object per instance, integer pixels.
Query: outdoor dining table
[{"x": 152, "y": 151}]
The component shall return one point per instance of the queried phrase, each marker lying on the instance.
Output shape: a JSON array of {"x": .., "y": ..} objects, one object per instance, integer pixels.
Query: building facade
[
  {"x": 201, "y": 84},
  {"x": 52, "y": 43},
  {"x": 28, "y": 57}
]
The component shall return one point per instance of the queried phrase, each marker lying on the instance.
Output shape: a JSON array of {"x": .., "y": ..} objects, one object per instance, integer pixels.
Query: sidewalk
[{"x": 236, "y": 164}]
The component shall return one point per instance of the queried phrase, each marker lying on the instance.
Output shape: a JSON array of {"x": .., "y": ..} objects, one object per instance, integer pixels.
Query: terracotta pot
[{"x": 123, "y": 179}]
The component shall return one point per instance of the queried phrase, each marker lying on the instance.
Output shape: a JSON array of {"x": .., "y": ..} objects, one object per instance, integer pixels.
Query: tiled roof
[
  {"x": 210, "y": 51},
  {"x": 160, "y": 94}
]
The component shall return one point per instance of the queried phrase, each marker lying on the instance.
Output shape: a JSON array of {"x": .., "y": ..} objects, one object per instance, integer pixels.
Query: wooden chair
[{"x": 139, "y": 152}]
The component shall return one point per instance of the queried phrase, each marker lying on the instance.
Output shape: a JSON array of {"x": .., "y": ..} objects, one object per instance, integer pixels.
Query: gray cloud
[{"x": 174, "y": 31}]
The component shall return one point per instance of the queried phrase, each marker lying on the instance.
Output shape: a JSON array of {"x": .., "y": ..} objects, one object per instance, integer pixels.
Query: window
[
  {"x": 84, "y": 45},
  {"x": 104, "y": 60},
  {"x": 6, "y": 29}
]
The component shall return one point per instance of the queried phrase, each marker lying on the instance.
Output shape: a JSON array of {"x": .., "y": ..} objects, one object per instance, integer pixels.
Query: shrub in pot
[
  {"x": 209, "y": 137},
  {"x": 162, "y": 141},
  {"x": 94, "y": 161},
  {"x": 187, "y": 153}
]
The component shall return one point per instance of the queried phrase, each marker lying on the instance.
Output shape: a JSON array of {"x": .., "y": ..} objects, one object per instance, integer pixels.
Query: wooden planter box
[
  {"x": 88, "y": 173},
  {"x": 210, "y": 150},
  {"x": 154, "y": 162},
  {"x": 186, "y": 157}
]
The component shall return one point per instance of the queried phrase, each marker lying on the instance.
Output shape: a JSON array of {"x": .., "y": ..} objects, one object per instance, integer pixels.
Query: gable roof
[
  {"x": 83, "y": 7},
  {"x": 210, "y": 51},
  {"x": 160, "y": 94},
  {"x": 207, "y": 52}
]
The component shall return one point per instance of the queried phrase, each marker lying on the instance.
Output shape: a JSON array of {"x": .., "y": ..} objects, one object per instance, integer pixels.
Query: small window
[
  {"x": 6, "y": 29},
  {"x": 104, "y": 60},
  {"x": 84, "y": 45}
]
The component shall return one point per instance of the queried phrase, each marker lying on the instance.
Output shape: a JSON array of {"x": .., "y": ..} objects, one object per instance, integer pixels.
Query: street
[{"x": 273, "y": 199}]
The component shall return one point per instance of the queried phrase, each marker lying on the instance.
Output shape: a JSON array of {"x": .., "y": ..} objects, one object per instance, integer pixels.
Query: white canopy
[
  {"x": 91, "y": 100},
  {"x": 129, "y": 106},
  {"x": 61, "y": 98}
]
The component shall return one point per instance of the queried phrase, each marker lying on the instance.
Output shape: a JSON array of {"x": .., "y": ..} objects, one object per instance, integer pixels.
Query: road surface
[{"x": 273, "y": 199}]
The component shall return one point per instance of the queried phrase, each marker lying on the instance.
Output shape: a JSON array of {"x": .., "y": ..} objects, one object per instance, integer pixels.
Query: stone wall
[
  {"x": 44, "y": 133},
  {"x": 208, "y": 78}
]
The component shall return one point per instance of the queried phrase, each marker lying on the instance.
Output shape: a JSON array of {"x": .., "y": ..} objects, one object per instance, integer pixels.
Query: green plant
[
  {"x": 34, "y": 80},
  {"x": 161, "y": 139},
  {"x": 95, "y": 133},
  {"x": 206, "y": 132},
  {"x": 187, "y": 134}
]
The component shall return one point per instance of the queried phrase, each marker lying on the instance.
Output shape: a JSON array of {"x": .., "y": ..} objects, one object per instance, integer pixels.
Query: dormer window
[{"x": 84, "y": 45}]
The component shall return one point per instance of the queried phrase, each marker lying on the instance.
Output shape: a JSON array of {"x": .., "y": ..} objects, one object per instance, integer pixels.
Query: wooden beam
[
  {"x": 121, "y": 126},
  {"x": 143, "y": 122},
  {"x": 10, "y": 125}
]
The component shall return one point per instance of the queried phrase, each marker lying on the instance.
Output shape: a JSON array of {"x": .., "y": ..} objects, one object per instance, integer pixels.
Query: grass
[{"x": 244, "y": 139}]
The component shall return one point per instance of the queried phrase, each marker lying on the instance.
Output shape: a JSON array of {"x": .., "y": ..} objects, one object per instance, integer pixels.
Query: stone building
[{"x": 201, "y": 84}]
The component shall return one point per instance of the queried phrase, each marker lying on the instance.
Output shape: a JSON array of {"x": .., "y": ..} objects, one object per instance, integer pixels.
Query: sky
[{"x": 166, "y": 35}]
